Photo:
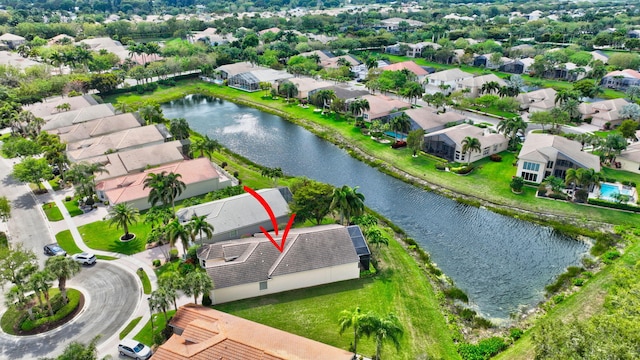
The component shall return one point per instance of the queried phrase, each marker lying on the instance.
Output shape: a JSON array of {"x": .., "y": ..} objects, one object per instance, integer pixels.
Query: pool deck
[{"x": 622, "y": 189}]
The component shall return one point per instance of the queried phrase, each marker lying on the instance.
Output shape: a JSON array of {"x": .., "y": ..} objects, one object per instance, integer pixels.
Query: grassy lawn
[
  {"x": 65, "y": 240},
  {"x": 583, "y": 304},
  {"x": 72, "y": 207},
  {"x": 167, "y": 268},
  {"x": 55, "y": 184},
  {"x": 145, "y": 336},
  {"x": 620, "y": 175},
  {"x": 52, "y": 211},
  {"x": 400, "y": 287},
  {"x": 100, "y": 235},
  {"x": 146, "y": 284},
  {"x": 129, "y": 327}
]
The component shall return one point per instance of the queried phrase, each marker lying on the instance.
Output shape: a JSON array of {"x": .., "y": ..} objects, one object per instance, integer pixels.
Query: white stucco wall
[
  {"x": 540, "y": 172},
  {"x": 288, "y": 282},
  {"x": 628, "y": 165}
]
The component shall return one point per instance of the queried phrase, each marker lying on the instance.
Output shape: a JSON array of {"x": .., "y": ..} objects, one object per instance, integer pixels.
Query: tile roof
[
  {"x": 306, "y": 84},
  {"x": 238, "y": 211},
  {"x": 607, "y": 110},
  {"x": 48, "y": 106},
  {"x": 344, "y": 93},
  {"x": 478, "y": 81},
  {"x": 68, "y": 118},
  {"x": 625, "y": 73},
  {"x": 454, "y": 74},
  {"x": 98, "y": 127},
  {"x": 11, "y": 37},
  {"x": 544, "y": 99},
  {"x": 544, "y": 147},
  {"x": 306, "y": 249},
  {"x": 409, "y": 65},
  {"x": 428, "y": 118},
  {"x": 460, "y": 132},
  {"x": 381, "y": 105},
  {"x": 631, "y": 153},
  {"x": 130, "y": 138},
  {"x": 131, "y": 187},
  {"x": 239, "y": 68},
  {"x": 210, "y": 334}
]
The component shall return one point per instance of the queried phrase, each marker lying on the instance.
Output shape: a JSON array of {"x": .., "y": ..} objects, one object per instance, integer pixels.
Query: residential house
[
  {"x": 122, "y": 140},
  {"x": 13, "y": 59},
  {"x": 473, "y": 86},
  {"x": 274, "y": 30},
  {"x": 430, "y": 119},
  {"x": 336, "y": 62},
  {"x": 599, "y": 55},
  {"x": 393, "y": 24},
  {"x": 139, "y": 159},
  {"x": 522, "y": 50},
  {"x": 198, "y": 175},
  {"x": 246, "y": 76},
  {"x": 485, "y": 61},
  {"x": 68, "y": 118},
  {"x": 447, "y": 143},
  {"x": 543, "y": 155},
  {"x": 621, "y": 80},
  {"x": 414, "y": 68},
  {"x": 514, "y": 67},
  {"x": 323, "y": 55},
  {"x": 454, "y": 16},
  {"x": 629, "y": 159},
  {"x": 60, "y": 39},
  {"x": 253, "y": 266},
  {"x": 240, "y": 215},
  {"x": 114, "y": 46},
  {"x": 446, "y": 80},
  {"x": 383, "y": 107},
  {"x": 568, "y": 71},
  {"x": 212, "y": 37},
  {"x": 230, "y": 70},
  {"x": 12, "y": 41},
  {"x": 342, "y": 92},
  {"x": 49, "y": 107},
  {"x": 204, "y": 333},
  {"x": 98, "y": 127},
  {"x": 537, "y": 100},
  {"x": 412, "y": 50},
  {"x": 361, "y": 71},
  {"x": 603, "y": 112},
  {"x": 307, "y": 84},
  {"x": 634, "y": 34}
]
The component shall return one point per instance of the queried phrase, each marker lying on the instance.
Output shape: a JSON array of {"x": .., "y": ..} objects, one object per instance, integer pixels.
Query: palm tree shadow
[{"x": 385, "y": 275}]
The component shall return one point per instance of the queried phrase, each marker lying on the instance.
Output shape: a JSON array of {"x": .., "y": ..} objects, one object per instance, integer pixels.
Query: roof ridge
[{"x": 282, "y": 255}]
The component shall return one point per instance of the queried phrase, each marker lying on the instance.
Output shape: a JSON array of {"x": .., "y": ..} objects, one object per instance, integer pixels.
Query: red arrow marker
[{"x": 274, "y": 221}]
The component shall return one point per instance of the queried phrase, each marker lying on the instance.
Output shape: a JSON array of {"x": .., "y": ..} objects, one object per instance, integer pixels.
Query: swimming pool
[
  {"x": 608, "y": 191},
  {"x": 398, "y": 136}
]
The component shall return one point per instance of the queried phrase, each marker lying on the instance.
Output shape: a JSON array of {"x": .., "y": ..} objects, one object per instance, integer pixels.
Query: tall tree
[
  {"x": 206, "y": 146},
  {"x": 311, "y": 200},
  {"x": 40, "y": 282},
  {"x": 5, "y": 209},
  {"x": 197, "y": 283},
  {"x": 62, "y": 268},
  {"x": 415, "y": 139},
  {"x": 178, "y": 232},
  {"x": 165, "y": 188},
  {"x": 469, "y": 145},
  {"x": 198, "y": 225},
  {"x": 179, "y": 128},
  {"x": 288, "y": 89},
  {"x": 350, "y": 319},
  {"x": 348, "y": 202},
  {"x": 16, "y": 266},
  {"x": 383, "y": 329},
  {"x": 273, "y": 174},
  {"x": 160, "y": 299},
  {"x": 33, "y": 171},
  {"x": 122, "y": 215},
  {"x": 401, "y": 123}
]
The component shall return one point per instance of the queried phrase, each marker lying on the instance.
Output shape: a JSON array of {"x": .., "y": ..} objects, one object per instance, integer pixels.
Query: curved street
[{"x": 111, "y": 295}]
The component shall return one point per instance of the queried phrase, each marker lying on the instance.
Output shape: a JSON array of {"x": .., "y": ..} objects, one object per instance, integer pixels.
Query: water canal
[{"x": 502, "y": 263}]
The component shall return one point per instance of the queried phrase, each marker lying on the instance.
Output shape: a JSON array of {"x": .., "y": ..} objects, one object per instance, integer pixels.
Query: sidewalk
[{"x": 132, "y": 263}]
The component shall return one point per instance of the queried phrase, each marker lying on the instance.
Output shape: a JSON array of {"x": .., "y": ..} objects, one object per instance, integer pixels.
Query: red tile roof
[
  {"x": 410, "y": 65},
  {"x": 211, "y": 334}
]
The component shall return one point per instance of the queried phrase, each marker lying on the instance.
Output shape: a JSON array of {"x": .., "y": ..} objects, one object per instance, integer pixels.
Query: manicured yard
[
  {"x": 129, "y": 327},
  {"x": 72, "y": 207},
  {"x": 65, "y": 240},
  {"x": 146, "y": 284},
  {"x": 145, "y": 336},
  {"x": 52, "y": 211},
  {"x": 100, "y": 235}
]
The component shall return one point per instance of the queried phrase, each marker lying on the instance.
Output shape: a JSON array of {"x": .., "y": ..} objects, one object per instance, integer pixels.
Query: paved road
[{"x": 111, "y": 295}]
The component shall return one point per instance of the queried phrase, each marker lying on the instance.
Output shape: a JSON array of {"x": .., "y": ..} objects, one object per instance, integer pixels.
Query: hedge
[
  {"x": 613, "y": 205},
  {"x": 74, "y": 300}
]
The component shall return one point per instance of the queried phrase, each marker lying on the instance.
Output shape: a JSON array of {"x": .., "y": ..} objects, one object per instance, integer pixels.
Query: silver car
[
  {"x": 85, "y": 258},
  {"x": 134, "y": 349}
]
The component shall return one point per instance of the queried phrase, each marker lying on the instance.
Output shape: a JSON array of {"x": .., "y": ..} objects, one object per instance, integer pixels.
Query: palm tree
[
  {"x": 359, "y": 106},
  {"x": 176, "y": 231},
  {"x": 570, "y": 106},
  {"x": 160, "y": 299},
  {"x": 351, "y": 319},
  {"x": 63, "y": 268},
  {"x": 371, "y": 63},
  {"x": 199, "y": 225},
  {"x": 197, "y": 283},
  {"x": 273, "y": 174},
  {"x": 413, "y": 91},
  {"x": 348, "y": 202},
  {"x": 150, "y": 113},
  {"x": 511, "y": 128},
  {"x": 375, "y": 237},
  {"x": 122, "y": 215},
  {"x": 171, "y": 282},
  {"x": 563, "y": 95},
  {"x": 469, "y": 145},
  {"x": 490, "y": 87},
  {"x": 383, "y": 329},
  {"x": 401, "y": 123},
  {"x": 206, "y": 146},
  {"x": 179, "y": 128},
  {"x": 324, "y": 97},
  {"x": 165, "y": 188},
  {"x": 289, "y": 89},
  {"x": 40, "y": 282}
]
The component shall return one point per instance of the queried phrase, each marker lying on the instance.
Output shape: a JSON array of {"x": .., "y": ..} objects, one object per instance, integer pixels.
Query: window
[
  {"x": 530, "y": 166},
  {"x": 485, "y": 151},
  {"x": 495, "y": 147},
  {"x": 530, "y": 176},
  {"x": 263, "y": 285},
  {"x": 457, "y": 155},
  {"x": 549, "y": 164}
]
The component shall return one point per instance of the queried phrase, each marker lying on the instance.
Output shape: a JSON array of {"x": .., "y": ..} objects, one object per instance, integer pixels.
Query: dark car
[{"x": 54, "y": 250}]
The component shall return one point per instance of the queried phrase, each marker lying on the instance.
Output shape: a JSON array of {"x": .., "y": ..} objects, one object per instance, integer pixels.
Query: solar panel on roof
[{"x": 357, "y": 238}]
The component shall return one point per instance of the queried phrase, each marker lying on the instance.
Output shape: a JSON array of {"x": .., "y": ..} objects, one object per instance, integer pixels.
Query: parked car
[
  {"x": 134, "y": 349},
  {"x": 85, "y": 258},
  {"x": 54, "y": 250}
]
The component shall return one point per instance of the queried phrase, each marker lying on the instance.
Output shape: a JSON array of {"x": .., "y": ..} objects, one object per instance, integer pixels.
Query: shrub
[
  {"x": 67, "y": 198},
  {"x": 609, "y": 256},
  {"x": 236, "y": 174},
  {"x": 224, "y": 164},
  {"x": 517, "y": 183},
  {"x": 483, "y": 350},
  {"x": 156, "y": 262},
  {"x": 481, "y": 322},
  {"x": 206, "y": 300},
  {"x": 465, "y": 170},
  {"x": 578, "y": 282},
  {"x": 441, "y": 166},
  {"x": 561, "y": 281},
  {"x": 558, "y": 298},
  {"x": 588, "y": 262},
  {"x": 173, "y": 254},
  {"x": 515, "y": 333},
  {"x": 399, "y": 144},
  {"x": 186, "y": 268},
  {"x": 61, "y": 312},
  {"x": 456, "y": 294},
  {"x": 467, "y": 314},
  {"x": 558, "y": 196},
  {"x": 603, "y": 243},
  {"x": 581, "y": 196},
  {"x": 192, "y": 253},
  {"x": 614, "y": 205},
  {"x": 495, "y": 158}
]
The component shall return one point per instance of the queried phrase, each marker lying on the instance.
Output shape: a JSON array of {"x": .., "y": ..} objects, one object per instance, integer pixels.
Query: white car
[
  {"x": 85, "y": 258},
  {"x": 134, "y": 349}
]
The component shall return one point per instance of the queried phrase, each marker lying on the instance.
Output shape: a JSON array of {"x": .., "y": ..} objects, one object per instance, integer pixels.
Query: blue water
[
  {"x": 609, "y": 190},
  {"x": 395, "y": 136},
  {"x": 501, "y": 263}
]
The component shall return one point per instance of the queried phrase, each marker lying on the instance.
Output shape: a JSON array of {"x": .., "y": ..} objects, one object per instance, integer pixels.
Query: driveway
[{"x": 111, "y": 296}]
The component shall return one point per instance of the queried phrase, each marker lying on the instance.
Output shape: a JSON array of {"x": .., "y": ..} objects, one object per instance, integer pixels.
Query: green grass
[
  {"x": 620, "y": 175},
  {"x": 100, "y": 236},
  {"x": 55, "y": 184},
  {"x": 167, "y": 268},
  {"x": 146, "y": 284},
  {"x": 107, "y": 258},
  {"x": 129, "y": 327},
  {"x": 72, "y": 208},
  {"x": 65, "y": 240},
  {"x": 52, "y": 212},
  {"x": 145, "y": 336},
  {"x": 400, "y": 287},
  {"x": 582, "y": 304}
]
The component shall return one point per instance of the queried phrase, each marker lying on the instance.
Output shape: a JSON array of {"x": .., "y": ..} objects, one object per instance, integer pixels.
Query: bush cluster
[
  {"x": 495, "y": 158},
  {"x": 441, "y": 166},
  {"x": 563, "y": 279},
  {"x": 614, "y": 205},
  {"x": 456, "y": 294},
  {"x": 482, "y": 350},
  {"x": 60, "y": 309},
  {"x": 143, "y": 88}
]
